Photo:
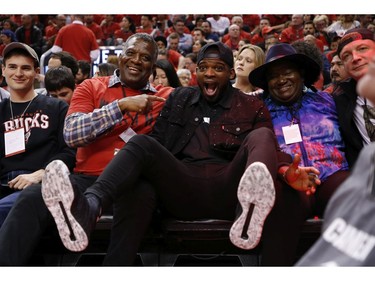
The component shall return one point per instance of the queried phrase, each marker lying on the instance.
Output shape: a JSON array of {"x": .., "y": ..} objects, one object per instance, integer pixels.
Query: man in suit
[{"x": 356, "y": 48}]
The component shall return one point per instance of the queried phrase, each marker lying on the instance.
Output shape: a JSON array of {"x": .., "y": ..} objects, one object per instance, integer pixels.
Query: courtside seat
[
  {"x": 203, "y": 241},
  {"x": 209, "y": 239},
  {"x": 51, "y": 252}
]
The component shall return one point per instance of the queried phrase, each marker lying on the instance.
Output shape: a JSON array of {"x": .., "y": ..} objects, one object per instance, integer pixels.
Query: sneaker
[
  {"x": 256, "y": 194},
  {"x": 74, "y": 217}
]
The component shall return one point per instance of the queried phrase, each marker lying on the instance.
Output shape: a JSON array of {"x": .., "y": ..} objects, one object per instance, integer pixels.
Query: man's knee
[{"x": 142, "y": 142}]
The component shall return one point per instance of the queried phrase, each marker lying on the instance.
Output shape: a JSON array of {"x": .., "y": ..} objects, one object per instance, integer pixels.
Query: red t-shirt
[
  {"x": 174, "y": 58},
  {"x": 323, "y": 39},
  {"x": 78, "y": 40},
  {"x": 119, "y": 33},
  {"x": 94, "y": 93},
  {"x": 94, "y": 27},
  {"x": 50, "y": 31},
  {"x": 144, "y": 30},
  {"x": 193, "y": 80},
  {"x": 257, "y": 39},
  {"x": 232, "y": 45},
  {"x": 109, "y": 29},
  {"x": 277, "y": 19},
  {"x": 27, "y": 36},
  {"x": 251, "y": 20},
  {"x": 2, "y": 47},
  {"x": 290, "y": 34}
]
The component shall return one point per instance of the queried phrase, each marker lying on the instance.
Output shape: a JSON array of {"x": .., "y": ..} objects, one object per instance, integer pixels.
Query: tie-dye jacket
[{"x": 322, "y": 145}]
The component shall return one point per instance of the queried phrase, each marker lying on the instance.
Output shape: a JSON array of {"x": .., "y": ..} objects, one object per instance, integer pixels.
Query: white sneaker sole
[
  {"x": 256, "y": 194},
  {"x": 58, "y": 195}
]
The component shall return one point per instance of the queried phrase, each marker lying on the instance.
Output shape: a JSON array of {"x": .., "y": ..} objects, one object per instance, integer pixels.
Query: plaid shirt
[{"x": 84, "y": 128}]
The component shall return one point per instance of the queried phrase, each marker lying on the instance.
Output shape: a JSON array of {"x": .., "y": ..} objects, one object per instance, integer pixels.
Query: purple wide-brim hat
[{"x": 285, "y": 52}]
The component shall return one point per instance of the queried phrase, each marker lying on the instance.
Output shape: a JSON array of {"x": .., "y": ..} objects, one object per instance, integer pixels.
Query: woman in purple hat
[{"x": 305, "y": 122}]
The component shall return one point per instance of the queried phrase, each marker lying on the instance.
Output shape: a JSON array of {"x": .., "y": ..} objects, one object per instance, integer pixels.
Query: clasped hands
[{"x": 301, "y": 178}]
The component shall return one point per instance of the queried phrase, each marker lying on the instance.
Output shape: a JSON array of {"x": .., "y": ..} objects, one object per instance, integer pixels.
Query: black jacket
[
  {"x": 181, "y": 116},
  {"x": 345, "y": 96},
  {"x": 36, "y": 38}
]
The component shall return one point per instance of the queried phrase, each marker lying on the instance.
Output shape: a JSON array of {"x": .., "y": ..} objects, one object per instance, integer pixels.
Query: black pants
[
  {"x": 135, "y": 200},
  {"x": 196, "y": 192},
  {"x": 188, "y": 191}
]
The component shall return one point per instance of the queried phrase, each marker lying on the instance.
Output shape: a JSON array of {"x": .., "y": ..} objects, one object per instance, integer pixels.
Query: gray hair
[{"x": 182, "y": 71}]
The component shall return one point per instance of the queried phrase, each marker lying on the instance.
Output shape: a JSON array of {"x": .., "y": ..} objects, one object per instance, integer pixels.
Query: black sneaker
[
  {"x": 74, "y": 217},
  {"x": 256, "y": 194}
]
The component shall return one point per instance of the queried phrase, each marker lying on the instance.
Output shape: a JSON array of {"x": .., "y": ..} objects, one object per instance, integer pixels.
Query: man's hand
[
  {"x": 141, "y": 103},
  {"x": 302, "y": 178},
  {"x": 25, "y": 180}
]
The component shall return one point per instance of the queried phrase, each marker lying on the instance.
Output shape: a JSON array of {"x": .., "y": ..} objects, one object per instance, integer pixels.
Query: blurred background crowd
[{"x": 180, "y": 37}]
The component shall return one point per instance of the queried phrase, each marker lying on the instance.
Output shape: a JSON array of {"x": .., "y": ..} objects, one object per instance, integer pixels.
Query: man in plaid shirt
[{"x": 103, "y": 115}]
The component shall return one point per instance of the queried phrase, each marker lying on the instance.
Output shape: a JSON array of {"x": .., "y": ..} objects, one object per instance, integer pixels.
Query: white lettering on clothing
[
  {"x": 352, "y": 241},
  {"x": 36, "y": 121}
]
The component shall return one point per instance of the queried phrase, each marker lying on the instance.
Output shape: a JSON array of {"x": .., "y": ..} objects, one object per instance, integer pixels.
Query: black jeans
[
  {"x": 189, "y": 191},
  {"x": 143, "y": 178},
  {"x": 132, "y": 217},
  {"x": 193, "y": 192}
]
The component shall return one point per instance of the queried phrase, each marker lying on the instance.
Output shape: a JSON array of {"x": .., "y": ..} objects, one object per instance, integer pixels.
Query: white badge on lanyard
[
  {"x": 292, "y": 134},
  {"x": 14, "y": 142},
  {"x": 127, "y": 134}
]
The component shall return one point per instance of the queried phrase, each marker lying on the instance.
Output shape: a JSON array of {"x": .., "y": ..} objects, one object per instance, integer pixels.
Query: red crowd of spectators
[{"x": 180, "y": 37}]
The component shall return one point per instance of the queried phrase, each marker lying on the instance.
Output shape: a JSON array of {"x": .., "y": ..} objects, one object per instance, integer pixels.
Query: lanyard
[{"x": 127, "y": 113}]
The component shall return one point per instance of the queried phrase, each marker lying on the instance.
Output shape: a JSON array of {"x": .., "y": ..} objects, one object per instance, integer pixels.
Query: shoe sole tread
[
  {"x": 57, "y": 192},
  {"x": 256, "y": 188}
]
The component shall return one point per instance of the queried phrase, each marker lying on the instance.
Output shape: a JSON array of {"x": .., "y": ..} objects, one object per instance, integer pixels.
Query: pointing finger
[{"x": 155, "y": 98}]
